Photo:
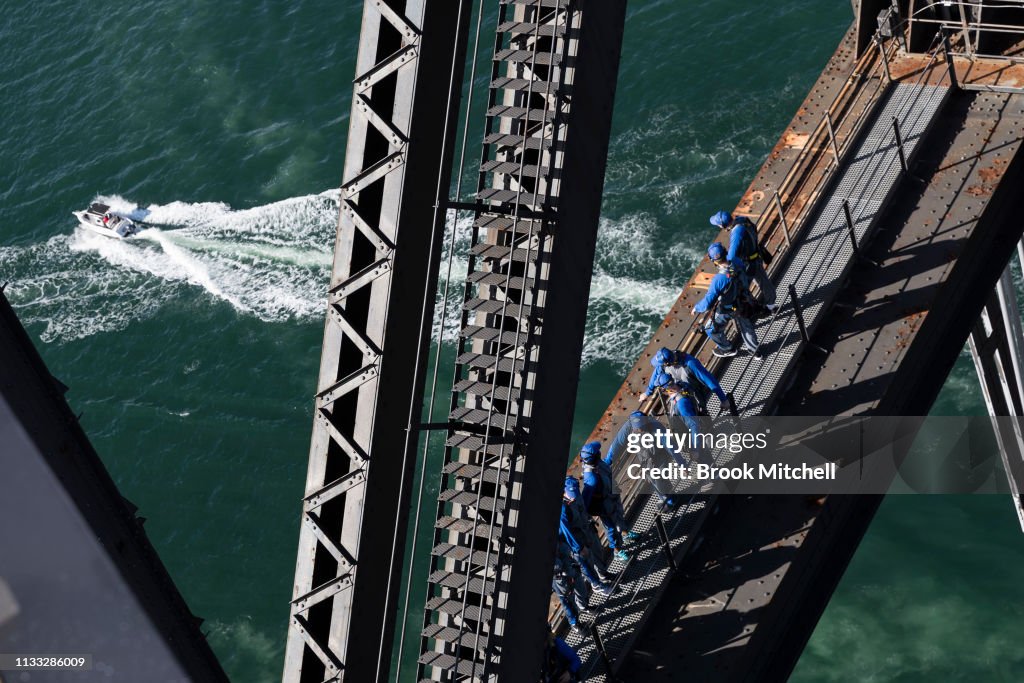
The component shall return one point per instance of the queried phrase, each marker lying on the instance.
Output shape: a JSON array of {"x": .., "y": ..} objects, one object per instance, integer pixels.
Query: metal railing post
[
  {"x": 665, "y": 544},
  {"x": 832, "y": 137},
  {"x": 885, "y": 60},
  {"x": 853, "y": 234},
  {"x": 849, "y": 226},
  {"x": 948, "y": 49},
  {"x": 599, "y": 645},
  {"x": 966, "y": 31},
  {"x": 798, "y": 309},
  {"x": 782, "y": 218},
  {"x": 899, "y": 144}
]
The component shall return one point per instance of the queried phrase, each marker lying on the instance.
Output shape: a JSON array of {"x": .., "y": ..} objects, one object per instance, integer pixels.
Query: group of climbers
[
  {"x": 728, "y": 297},
  {"x": 686, "y": 387},
  {"x": 579, "y": 562}
]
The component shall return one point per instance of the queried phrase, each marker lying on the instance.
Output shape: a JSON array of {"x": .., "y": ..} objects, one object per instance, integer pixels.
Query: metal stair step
[
  {"x": 517, "y": 56},
  {"x": 483, "y": 417},
  {"x": 492, "y": 279},
  {"x": 533, "y": 3},
  {"x": 467, "y": 498},
  {"x": 449, "y": 634},
  {"x": 522, "y": 226},
  {"x": 530, "y": 28},
  {"x": 453, "y": 607},
  {"x": 493, "y": 306},
  {"x": 458, "y": 525},
  {"x": 457, "y": 581},
  {"x": 540, "y": 87},
  {"x": 465, "y": 470},
  {"x": 478, "y": 558},
  {"x": 514, "y": 168},
  {"x": 501, "y": 251},
  {"x": 500, "y": 196},
  {"x": 496, "y": 445},
  {"x": 483, "y": 361},
  {"x": 484, "y": 388},
  {"x": 445, "y": 662},
  {"x": 520, "y": 113},
  {"x": 518, "y": 141},
  {"x": 491, "y": 334}
]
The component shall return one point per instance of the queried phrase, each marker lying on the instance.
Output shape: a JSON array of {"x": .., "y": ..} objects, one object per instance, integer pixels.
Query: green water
[{"x": 193, "y": 353}]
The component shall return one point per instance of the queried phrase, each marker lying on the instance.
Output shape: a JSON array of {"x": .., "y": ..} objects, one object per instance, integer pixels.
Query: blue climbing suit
[
  {"x": 727, "y": 286},
  {"x": 602, "y": 500},
  {"x": 744, "y": 249},
  {"x": 567, "y": 584}
]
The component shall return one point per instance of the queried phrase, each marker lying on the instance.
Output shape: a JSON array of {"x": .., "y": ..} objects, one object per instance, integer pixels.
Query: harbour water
[{"x": 193, "y": 350}]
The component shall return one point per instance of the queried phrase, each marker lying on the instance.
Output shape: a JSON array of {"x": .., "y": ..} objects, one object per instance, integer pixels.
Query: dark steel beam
[{"x": 397, "y": 171}]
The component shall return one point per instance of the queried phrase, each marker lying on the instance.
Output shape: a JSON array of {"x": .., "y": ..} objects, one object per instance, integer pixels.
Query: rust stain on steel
[{"x": 836, "y": 76}]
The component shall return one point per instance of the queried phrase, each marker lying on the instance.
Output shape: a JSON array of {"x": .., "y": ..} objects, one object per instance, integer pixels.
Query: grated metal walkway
[{"x": 817, "y": 269}]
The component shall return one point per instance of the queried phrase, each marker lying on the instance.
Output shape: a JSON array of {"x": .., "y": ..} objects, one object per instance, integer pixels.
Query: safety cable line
[
  {"x": 413, "y": 417},
  {"x": 440, "y": 339},
  {"x": 525, "y": 126},
  {"x": 903, "y": 111},
  {"x": 551, "y": 99}
]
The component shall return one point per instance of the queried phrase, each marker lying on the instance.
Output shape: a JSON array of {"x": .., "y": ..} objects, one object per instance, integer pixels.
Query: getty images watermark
[
  {"x": 818, "y": 455},
  {"x": 734, "y": 443}
]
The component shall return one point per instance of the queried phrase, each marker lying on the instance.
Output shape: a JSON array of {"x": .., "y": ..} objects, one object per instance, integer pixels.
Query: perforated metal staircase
[
  {"x": 820, "y": 262},
  {"x": 501, "y": 332}
]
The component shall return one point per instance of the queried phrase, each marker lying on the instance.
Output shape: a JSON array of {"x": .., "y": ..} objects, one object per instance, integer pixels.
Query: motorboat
[{"x": 99, "y": 219}]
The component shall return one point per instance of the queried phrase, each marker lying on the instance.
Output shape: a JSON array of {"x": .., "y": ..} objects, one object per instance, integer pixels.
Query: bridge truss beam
[{"x": 397, "y": 167}]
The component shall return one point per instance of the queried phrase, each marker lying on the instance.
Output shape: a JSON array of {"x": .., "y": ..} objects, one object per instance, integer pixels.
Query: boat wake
[{"x": 273, "y": 262}]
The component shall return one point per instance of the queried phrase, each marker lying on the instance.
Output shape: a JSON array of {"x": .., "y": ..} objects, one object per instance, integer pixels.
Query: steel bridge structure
[{"x": 911, "y": 88}]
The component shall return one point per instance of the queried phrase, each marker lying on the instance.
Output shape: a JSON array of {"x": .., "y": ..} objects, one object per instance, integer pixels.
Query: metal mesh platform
[{"x": 817, "y": 269}]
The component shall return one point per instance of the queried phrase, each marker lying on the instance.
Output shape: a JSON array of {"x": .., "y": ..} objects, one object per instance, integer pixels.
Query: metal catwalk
[{"x": 817, "y": 268}]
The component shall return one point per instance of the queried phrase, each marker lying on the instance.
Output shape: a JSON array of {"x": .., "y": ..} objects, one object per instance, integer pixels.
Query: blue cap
[
  {"x": 721, "y": 219},
  {"x": 661, "y": 357},
  {"x": 716, "y": 252},
  {"x": 590, "y": 451},
  {"x": 572, "y": 488},
  {"x": 637, "y": 413}
]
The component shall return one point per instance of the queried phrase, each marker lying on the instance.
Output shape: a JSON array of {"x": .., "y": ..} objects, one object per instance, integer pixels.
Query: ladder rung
[
  {"x": 530, "y": 28},
  {"x": 465, "y": 470},
  {"x": 452, "y": 606},
  {"x": 458, "y": 525},
  {"x": 477, "y": 388},
  {"x": 505, "y": 223},
  {"x": 500, "y": 196},
  {"x": 484, "y": 361},
  {"x": 492, "y": 279},
  {"x": 478, "y": 558},
  {"x": 496, "y": 445},
  {"x": 457, "y": 581},
  {"x": 448, "y": 634},
  {"x": 494, "y": 306},
  {"x": 517, "y": 56},
  {"x": 501, "y": 251},
  {"x": 520, "y": 113},
  {"x": 518, "y": 141},
  {"x": 530, "y": 85},
  {"x": 481, "y": 417},
  {"x": 490, "y": 334}
]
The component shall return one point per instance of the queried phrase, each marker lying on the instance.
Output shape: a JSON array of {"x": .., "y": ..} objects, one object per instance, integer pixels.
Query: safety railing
[{"x": 784, "y": 219}]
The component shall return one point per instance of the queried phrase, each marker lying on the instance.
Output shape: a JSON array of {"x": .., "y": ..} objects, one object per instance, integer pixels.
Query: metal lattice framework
[
  {"x": 502, "y": 320},
  {"x": 409, "y": 70}
]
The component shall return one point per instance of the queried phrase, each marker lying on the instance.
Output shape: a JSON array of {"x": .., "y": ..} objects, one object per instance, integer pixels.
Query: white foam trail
[
  {"x": 194, "y": 269},
  {"x": 270, "y": 261},
  {"x": 273, "y": 262}
]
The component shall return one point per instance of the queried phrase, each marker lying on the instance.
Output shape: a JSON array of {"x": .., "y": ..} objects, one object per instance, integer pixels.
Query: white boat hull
[{"x": 98, "y": 219}]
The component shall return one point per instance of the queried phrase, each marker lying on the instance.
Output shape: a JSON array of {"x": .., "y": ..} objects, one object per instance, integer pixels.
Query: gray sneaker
[{"x": 724, "y": 353}]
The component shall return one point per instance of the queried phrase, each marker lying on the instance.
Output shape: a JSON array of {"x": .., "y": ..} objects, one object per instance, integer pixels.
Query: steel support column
[
  {"x": 409, "y": 71},
  {"x": 997, "y": 343}
]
